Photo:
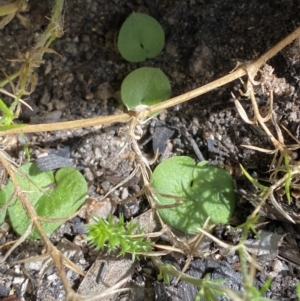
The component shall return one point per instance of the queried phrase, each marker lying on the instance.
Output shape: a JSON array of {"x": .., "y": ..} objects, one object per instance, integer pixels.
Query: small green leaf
[
  {"x": 4, "y": 108},
  {"x": 2, "y": 203},
  {"x": 34, "y": 183},
  {"x": 145, "y": 86},
  {"x": 140, "y": 37},
  {"x": 52, "y": 197},
  {"x": 298, "y": 291},
  {"x": 204, "y": 190},
  {"x": 62, "y": 201}
]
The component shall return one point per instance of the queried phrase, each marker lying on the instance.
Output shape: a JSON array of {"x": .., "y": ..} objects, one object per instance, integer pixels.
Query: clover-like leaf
[
  {"x": 202, "y": 190},
  {"x": 52, "y": 196},
  {"x": 144, "y": 87},
  {"x": 140, "y": 37}
]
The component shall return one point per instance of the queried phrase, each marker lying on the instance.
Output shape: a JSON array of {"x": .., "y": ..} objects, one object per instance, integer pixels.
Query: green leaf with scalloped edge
[
  {"x": 144, "y": 87},
  {"x": 140, "y": 37},
  {"x": 206, "y": 191},
  {"x": 52, "y": 196}
]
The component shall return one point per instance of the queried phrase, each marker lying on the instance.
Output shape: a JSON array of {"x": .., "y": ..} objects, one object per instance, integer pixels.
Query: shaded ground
[{"x": 204, "y": 40}]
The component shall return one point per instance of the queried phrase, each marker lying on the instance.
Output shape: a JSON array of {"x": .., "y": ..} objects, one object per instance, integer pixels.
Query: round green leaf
[
  {"x": 145, "y": 86},
  {"x": 62, "y": 201},
  {"x": 34, "y": 183},
  {"x": 52, "y": 197},
  {"x": 140, "y": 37},
  {"x": 205, "y": 191}
]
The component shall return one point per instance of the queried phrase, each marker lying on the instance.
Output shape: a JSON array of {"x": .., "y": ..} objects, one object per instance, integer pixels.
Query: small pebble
[
  {"x": 277, "y": 266},
  {"x": 4, "y": 228},
  {"x": 33, "y": 265},
  {"x": 104, "y": 91},
  {"x": 105, "y": 186},
  {"x": 124, "y": 194},
  {"x": 52, "y": 277},
  {"x": 4, "y": 290},
  {"x": 18, "y": 280},
  {"x": 53, "y": 116},
  {"x": 89, "y": 96}
]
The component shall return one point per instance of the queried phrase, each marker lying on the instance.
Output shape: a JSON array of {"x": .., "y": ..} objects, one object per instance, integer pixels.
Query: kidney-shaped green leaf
[
  {"x": 62, "y": 201},
  {"x": 140, "y": 37},
  {"x": 34, "y": 183},
  {"x": 52, "y": 197},
  {"x": 204, "y": 190},
  {"x": 145, "y": 86}
]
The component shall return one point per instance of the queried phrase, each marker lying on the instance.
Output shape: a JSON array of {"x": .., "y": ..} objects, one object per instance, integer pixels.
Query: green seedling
[
  {"x": 210, "y": 289},
  {"x": 264, "y": 192},
  {"x": 8, "y": 116},
  {"x": 6, "y": 120},
  {"x": 52, "y": 195},
  {"x": 200, "y": 191},
  {"x": 111, "y": 234},
  {"x": 144, "y": 87},
  {"x": 140, "y": 37}
]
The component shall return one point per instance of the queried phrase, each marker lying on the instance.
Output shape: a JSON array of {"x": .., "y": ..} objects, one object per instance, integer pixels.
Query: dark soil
[{"x": 204, "y": 41}]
